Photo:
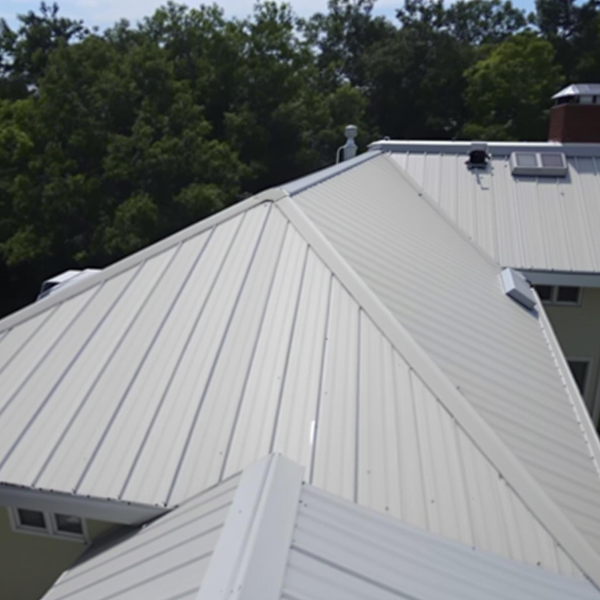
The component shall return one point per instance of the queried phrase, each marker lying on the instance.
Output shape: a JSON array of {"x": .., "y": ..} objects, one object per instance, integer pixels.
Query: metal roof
[
  {"x": 579, "y": 89},
  {"x": 526, "y": 222},
  {"x": 340, "y": 551},
  {"x": 265, "y": 535},
  {"x": 445, "y": 291},
  {"x": 256, "y": 331},
  {"x": 166, "y": 559},
  {"x": 185, "y": 365}
]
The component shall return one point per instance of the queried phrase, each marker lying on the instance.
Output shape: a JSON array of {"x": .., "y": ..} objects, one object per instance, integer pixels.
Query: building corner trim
[{"x": 251, "y": 555}]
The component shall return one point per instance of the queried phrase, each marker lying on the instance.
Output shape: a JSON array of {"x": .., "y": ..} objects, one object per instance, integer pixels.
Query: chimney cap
[{"x": 578, "y": 89}]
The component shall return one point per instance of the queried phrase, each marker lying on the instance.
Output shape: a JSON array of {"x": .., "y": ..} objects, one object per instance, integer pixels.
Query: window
[
  {"x": 31, "y": 519},
  {"x": 567, "y": 295},
  {"x": 580, "y": 368},
  {"x": 69, "y": 524},
  {"x": 37, "y": 522},
  {"x": 544, "y": 292},
  {"x": 561, "y": 295}
]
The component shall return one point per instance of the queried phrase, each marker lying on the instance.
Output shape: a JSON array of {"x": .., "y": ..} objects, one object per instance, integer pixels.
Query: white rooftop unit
[{"x": 66, "y": 278}]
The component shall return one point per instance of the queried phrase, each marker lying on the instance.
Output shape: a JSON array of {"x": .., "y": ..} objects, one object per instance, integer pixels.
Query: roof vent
[
  {"x": 349, "y": 149},
  {"x": 542, "y": 164},
  {"x": 478, "y": 156},
  {"x": 58, "y": 281},
  {"x": 516, "y": 287}
]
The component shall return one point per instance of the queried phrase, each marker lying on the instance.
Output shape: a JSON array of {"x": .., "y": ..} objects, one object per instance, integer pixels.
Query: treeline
[{"x": 112, "y": 139}]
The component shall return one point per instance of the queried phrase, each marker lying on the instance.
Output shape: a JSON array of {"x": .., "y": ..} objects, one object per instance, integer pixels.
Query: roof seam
[
  {"x": 477, "y": 429},
  {"x": 255, "y": 345},
  {"x": 184, "y": 454},
  {"x": 95, "y": 507}
]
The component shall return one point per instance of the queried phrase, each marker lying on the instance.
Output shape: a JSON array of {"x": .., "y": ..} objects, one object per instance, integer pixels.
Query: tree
[
  {"x": 343, "y": 37},
  {"x": 508, "y": 90},
  {"x": 24, "y": 53},
  {"x": 574, "y": 31}
]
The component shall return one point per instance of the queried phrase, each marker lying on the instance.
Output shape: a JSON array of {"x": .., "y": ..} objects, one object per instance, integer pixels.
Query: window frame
[
  {"x": 553, "y": 300},
  {"x": 51, "y": 530},
  {"x": 558, "y": 302}
]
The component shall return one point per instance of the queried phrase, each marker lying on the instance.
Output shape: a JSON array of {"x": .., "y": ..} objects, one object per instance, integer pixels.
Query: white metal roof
[
  {"x": 447, "y": 294},
  {"x": 578, "y": 89},
  {"x": 526, "y": 222},
  {"x": 267, "y": 536},
  {"x": 251, "y": 332},
  {"x": 166, "y": 559},
  {"x": 340, "y": 551}
]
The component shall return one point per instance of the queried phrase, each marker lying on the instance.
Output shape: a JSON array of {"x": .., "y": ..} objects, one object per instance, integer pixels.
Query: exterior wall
[
  {"x": 29, "y": 564},
  {"x": 575, "y": 123},
  {"x": 578, "y": 331}
]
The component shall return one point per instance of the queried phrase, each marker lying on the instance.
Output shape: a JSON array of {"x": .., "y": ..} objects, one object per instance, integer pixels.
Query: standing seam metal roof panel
[
  {"x": 236, "y": 340},
  {"x": 428, "y": 276},
  {"x": 265, "y": 535},
  {"x": 340, "y": 551},
  {"x": 164, "y": 560},
  {"x": 526, "y": 222}
]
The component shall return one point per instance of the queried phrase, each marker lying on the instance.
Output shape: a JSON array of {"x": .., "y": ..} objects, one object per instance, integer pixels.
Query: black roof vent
[{"x": 478, "y": 156}]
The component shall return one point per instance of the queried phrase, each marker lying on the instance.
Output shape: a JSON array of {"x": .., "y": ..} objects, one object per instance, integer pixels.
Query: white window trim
[
  {"x": 588, "y": 372},
  {"x": 51, "y": 529}
]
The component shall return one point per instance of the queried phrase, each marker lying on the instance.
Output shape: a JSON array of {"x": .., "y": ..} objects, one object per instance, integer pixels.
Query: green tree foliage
[
  {"x": 110, "y": 140},
  {"x": 508, "y": 90}
]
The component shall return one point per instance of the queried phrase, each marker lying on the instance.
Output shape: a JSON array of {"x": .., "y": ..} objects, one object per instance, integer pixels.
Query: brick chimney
[{"x": 575, "y": 115}]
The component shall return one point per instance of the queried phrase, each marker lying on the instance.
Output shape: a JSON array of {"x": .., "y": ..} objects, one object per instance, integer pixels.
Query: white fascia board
[
  {"x": 251, "y": 555},
  {"x": 299, "y": 185},
  {"x": 566, "y": 278},
  {"x": 581, "y": 413},
  {"x": 482, "y": 435},
  {"x": 493, "y": 148},
  {"x": 87, "y": 507},
  {"x": 270, "y": 195}
]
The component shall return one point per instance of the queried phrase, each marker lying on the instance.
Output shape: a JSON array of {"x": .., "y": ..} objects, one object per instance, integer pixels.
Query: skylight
[{"x": 539, "y": 164}]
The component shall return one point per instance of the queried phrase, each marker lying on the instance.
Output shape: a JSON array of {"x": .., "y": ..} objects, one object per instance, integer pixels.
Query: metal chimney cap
[
  {"x": 578, "y": 89},
  {"x": 351, "y": 131}
]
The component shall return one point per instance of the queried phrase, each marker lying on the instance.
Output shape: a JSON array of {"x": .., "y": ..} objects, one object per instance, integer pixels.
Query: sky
[{"x": 103, "y": 13}]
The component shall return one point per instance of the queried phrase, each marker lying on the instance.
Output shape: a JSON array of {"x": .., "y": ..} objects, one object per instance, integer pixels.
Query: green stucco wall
[
  {"x": 578, "y": 331},
  {"x": 30, "y": 564}
]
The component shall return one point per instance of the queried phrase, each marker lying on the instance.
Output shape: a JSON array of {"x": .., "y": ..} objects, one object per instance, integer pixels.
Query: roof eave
[
  {"x": 493, "y": 148},
  {"x": 87, "y": 507}
]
